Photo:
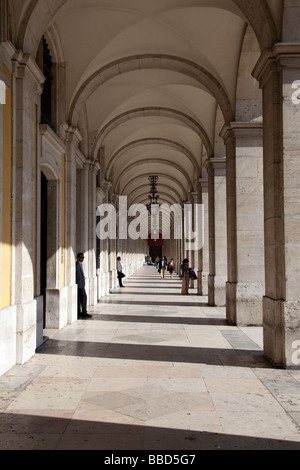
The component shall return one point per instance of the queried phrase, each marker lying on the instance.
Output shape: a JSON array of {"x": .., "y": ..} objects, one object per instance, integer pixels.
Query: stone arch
[
  {"x": 248, "y": 106},
  {"x": 162, "y": 175},
  {"x": 169, "y": 188},
  {"x": 154, "y": 111},
  {"x": 259, "y": 16},
  {"x": 39, "y": 14},
  {"x": 48, "y": 169},
  {"x": 53, "y": 39},
  {"x": 146, "y": 61},
  {"x": 165, "y": 142},
  {"x": 156, "y": 161},
  {"x": 54, "y": 44}
]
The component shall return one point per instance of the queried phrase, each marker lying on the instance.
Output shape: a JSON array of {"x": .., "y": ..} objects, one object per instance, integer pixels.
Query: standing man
[
  {"x": 80, "y": 281},
  {"x": 120, "y": 272}
]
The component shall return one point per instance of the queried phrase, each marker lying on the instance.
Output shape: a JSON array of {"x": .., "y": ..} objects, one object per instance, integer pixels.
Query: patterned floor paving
[{"x": 153, "y": 370}]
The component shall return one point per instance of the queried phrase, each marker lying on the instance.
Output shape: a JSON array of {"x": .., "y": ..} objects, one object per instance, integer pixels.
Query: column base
[
  {"x": 205, "y": 283},
  {"x": 92, "y": 291},
  {"x": 199, "y": 283},
  {"x": 244, "y": 303},
  {"x": 8, "y": 322},
  {"x": 57, "y": 308},
  {"x": 216, "y": 291},
  {"x": 211, "y": 290},
  {"x": 39, "y": 320},
  {"x": 220, "y": 291},
  {"x": 103, "y": 285},
  {"x": 282, "y": 332},
  {"x": 72, "y": 299},
  {"x": 26, "y": 315}
]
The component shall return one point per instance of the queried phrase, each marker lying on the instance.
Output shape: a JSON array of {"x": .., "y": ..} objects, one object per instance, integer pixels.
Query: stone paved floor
[{"x": 153, "y": 370}]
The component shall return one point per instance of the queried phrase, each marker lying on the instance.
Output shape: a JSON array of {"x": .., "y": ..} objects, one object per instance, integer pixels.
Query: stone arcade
[{"x": 205, "y": 94}]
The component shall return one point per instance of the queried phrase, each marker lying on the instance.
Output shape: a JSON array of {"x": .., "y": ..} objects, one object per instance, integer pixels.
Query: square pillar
[
  {"x": 216, "y": 168},
  {"x": 73, "y": 138},
  {"x": 205, "y": 251},
  {"x": 26, "y": 84},
  {"x": 245, "y": 227},
  {"x": 278, "y": 72}
]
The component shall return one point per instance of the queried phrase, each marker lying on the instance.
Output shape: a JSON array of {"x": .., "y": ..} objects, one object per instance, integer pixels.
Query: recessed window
[{"x": 46, "y": 105}]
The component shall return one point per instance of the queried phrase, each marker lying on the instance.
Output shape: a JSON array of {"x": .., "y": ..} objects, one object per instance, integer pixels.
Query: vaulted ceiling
[{"x": 144, "y": 81}]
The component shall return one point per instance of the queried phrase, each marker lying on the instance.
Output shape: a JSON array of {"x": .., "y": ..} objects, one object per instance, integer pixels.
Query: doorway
[
  {"x": 155, "y": 251},
  {"x": 43, "y": 242}
]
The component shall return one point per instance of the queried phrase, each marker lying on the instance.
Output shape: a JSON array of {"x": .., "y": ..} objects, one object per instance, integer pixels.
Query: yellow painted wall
[{"x": 6, "y": 258}]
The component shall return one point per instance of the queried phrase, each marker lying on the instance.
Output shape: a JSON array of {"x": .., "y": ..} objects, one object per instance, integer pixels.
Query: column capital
[
  {"x": 241, "y": 129},
  {"x": 101, "y": 195},
  {"x": 107, "y": 185},
  {"x": 24, "y": 66},
  {"x": 203, "y": 182},
  {"x": 72, "y": 133},
  {"x": 282, "y": 55},
  {"x": 215, "y": 164}
]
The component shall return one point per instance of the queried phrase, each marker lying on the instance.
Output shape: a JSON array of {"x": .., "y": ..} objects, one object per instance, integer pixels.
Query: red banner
[{"x": 159, "y": 242}]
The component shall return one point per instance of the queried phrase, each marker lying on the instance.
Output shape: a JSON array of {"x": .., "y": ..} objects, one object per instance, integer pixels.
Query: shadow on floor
[
  {"x": 161, "y": 320},
  {"x": 114, "y": 301},
  {"x": 150, "y": 352},
  {"x": 26, "y": 432}
]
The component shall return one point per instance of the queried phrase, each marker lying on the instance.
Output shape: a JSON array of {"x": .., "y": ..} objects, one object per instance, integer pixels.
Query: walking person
[
  {"x": 163, "y": 267},
  {"x": 171, "y": 267},
  {"x": 185, "y": 277},
  {"x": 120, "y": 272},
  {"x": 80, "y": 281}
]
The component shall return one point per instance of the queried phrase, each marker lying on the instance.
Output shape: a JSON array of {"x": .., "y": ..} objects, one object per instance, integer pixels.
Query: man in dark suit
[{"x": 80, "y": 281}]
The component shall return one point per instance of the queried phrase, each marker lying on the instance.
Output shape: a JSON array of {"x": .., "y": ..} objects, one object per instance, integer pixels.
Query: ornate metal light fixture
[
  {"x": 153, "y": 196},
  {"x": 154, "y": 207}
]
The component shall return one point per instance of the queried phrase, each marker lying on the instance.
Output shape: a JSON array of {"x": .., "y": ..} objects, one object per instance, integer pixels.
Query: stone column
[
  {"x": 245, "y": 234},
  {"x": 205, "y": 250},
  {"x": 193, "y": 255},
  {"x": 72, "y": 141},
  {"x": 216, "y": 168},
  {"x": 86, "y": 224},
  {"x": 27, "y": 80},
  {"x": 278, "y": 72},
  {"x": 113, "y": 254},
  {"x": 198, "y": 253},
  {"x": 100, "y": 272},
  {"x": 83, "y": 216},
  {"x": 92, "y": 208}
]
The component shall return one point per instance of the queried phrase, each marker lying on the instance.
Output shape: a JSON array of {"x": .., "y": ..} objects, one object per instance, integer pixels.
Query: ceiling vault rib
[
  {"x": 148, "y": 141},
  {"x": 147, "y": 61},
  {"x": 154, "y": 111}
]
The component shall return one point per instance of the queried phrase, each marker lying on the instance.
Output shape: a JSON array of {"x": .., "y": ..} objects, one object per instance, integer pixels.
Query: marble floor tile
[{"x": 152, "y": 370}]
